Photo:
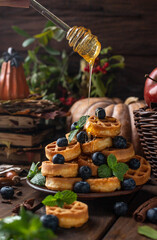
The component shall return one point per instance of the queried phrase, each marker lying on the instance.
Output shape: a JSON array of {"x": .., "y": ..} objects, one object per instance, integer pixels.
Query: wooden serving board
[{"x": 25, "y": 140}]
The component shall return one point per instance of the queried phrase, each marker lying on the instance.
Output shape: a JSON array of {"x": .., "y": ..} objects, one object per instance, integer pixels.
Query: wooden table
[{"x": 102, "y": 224}]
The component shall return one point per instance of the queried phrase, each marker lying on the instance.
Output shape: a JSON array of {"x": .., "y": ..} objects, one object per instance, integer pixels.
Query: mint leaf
[
  {"x": 119, "y": 170},
  {"x": 104, "y": 171},
  {"x": 38, "y": 179},
  {"x": 60, "y": 198},
  {"x": 147, "y": 232},
  {"x": 72, "y": 135},
  {"x": 111, "y": 161},
  {"x": 25, "y": 226},
  {"x": 33, "y": 170},
  {"x": 69, "y": 196},
  {"x": 81, "y": 122}
]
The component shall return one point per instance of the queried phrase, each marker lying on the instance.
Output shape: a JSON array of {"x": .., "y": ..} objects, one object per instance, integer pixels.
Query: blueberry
[
  {"x": 7, "y": 192},
  {"x": 152, "y": 215},
  {"x": 82, "y": 137},
  {"x": 134, "y": 163},
  {"x": 128, "y": 184},
  {"x": 58, "y": 159},
  {"x": 100, "y": 113},
  {"x": 50, "y": 221},
  {"x": 119, "y": 142},
  {"x": 62, "y": 142},
  {"x": 120, "y": 208},
  {"x": 73, "y": 126},
  {"x": 98, "y": 158},
  {"x": 85, "y": 172},
  {"x": 81, "y": 187}
]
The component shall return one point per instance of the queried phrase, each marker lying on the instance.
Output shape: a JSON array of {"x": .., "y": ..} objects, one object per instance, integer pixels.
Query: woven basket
[{"x": 146, "y": 124}]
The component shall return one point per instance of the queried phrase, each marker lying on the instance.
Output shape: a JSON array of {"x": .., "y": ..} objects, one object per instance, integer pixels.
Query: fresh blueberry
[
  {"x": 62, "y": 142},
  {"x": 82, "y": 137},
  {"x": 120, "y": 208},
  {"x": 81, "y": 187},
  {"x": 98, "y": 158},
  {"x": 134, "y": 163},
  {"x": 152, "y": 215},
  {"x": 50, "y": 221},
  {"x": 100, "y": 113},
  {"x": 7, "y": 192},
  {"x": 58, "y": 159},
  {"x": 85, "y": 172},
  {"x": 128, "y": 184},
  {"x": 73, "y": 126},
  {"x": 119, "y": 142}
]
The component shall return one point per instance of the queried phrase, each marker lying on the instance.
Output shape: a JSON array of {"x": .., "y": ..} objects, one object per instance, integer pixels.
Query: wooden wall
[{"x": 128, "y": 26}]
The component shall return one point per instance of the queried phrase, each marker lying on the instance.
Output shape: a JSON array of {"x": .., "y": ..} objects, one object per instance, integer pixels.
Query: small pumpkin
[
  {"x": 13, "y": 83},
  {"x": 114, "y": 107}
]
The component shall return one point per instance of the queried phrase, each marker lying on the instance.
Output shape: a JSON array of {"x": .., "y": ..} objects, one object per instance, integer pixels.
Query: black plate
[{"x": 87, "y": 196}]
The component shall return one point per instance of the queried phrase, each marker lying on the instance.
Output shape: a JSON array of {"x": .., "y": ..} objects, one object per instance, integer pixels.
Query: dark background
[{"x": 130, "y": 27}]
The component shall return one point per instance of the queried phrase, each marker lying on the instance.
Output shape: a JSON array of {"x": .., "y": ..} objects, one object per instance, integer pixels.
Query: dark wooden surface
[
  {"x": 102, "y": 224},
  {"x": 128, "y": 26}
]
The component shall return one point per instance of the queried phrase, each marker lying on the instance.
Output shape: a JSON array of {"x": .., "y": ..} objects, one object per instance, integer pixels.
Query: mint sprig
[
  {"x": 80, "y": 124},
  {"x": 60, "y": 198},
  {"x": 113, "y": 169},
  {"x": 35, "y": 175},
  {"x": 104, "y": 171},
  {"x": 25, "y": 226},
  {"x": 147, "y": 232},
  {"x": 33, "y": 170}
]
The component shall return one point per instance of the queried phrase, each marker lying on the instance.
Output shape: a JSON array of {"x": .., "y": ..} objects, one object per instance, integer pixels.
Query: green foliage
[
  {"x": 35, "y": 175},
  {"x": 26, "y": 226},
  {"x": 113, "y": 168},
  {"x": 60, "y": 198},
  {"x": 147, "y": 231}
]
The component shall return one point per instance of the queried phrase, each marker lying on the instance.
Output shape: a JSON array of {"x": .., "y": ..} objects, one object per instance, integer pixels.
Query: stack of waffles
[{"x": 101, "y": 134}]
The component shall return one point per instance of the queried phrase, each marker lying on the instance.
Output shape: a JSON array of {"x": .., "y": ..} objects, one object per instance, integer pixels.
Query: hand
[{"x": 15, "y": 3}]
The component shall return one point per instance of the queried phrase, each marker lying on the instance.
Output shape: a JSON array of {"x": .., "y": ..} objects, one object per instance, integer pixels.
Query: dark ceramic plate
[{"x": 87, "y": 196}]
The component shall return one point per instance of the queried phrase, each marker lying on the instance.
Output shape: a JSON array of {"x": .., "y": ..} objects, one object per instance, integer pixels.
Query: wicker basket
[{"x": 146, "y": 124}]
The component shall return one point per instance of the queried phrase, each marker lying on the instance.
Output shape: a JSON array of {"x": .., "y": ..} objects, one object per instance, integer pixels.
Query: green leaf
[
  {"x": 72, "y": 135},
  {"x": 111, "y": 161},
  {"x": 20, "y": 31},
  {"x": 104, "y": 171},
  {"x": 81, "y": 122},
  {"x": 38, "y": 179},
  {"x": 52, "y": 51},
  {"x": 69, "y": 196},
  {"x": 105, "y": 50},
  {"x": 27, "y": 42},
  {"x": 33, "y": 170},
  {"x": 147, "y": 232},
  {"x": 60, "y": 198},
  {"x": 119, "y": 170}
]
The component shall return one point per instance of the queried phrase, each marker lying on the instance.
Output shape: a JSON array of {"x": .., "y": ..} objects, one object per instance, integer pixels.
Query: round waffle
[
  {"x": 64, "y": 170},
  {"x": 109, "y": 126},
  {"x": 60, "y": 184},
  {"x": 104, "y": 184},
  {"x": 70, "y": 152},
  {"x": 142, "y": 174},
  {"x": 85, "y": 160},
  {"x": 72, "y": 215},
  {"x": 97, "y": 144},
  {"x": 122, "y": 155}
]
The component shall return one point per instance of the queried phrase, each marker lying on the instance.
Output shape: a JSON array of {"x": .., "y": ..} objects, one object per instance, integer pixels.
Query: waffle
[
  {"x": 64, "y": 170},
  {"x": 122, "y": 155},
  {"x": 142, "y": 174},
  {"x": 60, "y": 184},
  {"x": 85, "y": 160},
  {"x": 70, "y": 152},
  {"x": 109, "y": 126},
  {"x": 72, "y": 215},
  {"x": 104, "y": 184},
  {"x": 96, "y": 145}
]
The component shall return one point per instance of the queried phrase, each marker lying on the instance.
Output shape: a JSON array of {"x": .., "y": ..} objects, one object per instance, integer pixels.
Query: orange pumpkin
[
  {"x": 13, "y": 83},
  {"x": 115, "y": 108}
]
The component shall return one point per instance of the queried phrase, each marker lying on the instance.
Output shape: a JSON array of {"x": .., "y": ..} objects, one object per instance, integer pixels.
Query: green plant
[{"x": 105, "y": 71}]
